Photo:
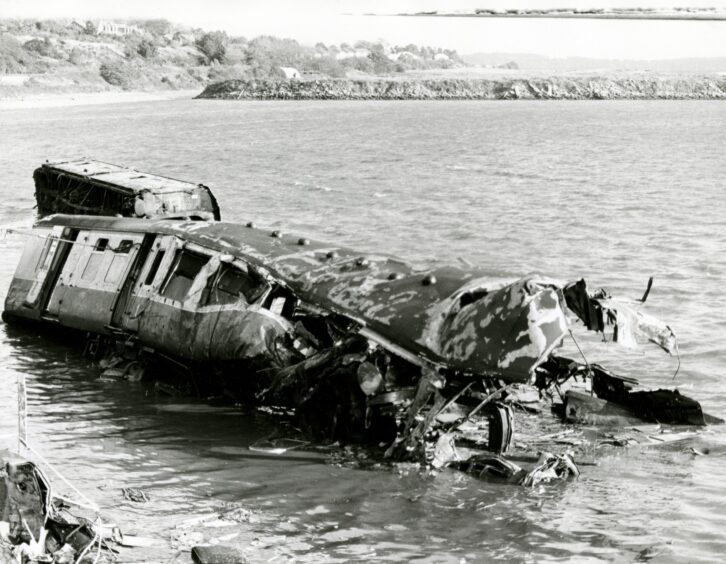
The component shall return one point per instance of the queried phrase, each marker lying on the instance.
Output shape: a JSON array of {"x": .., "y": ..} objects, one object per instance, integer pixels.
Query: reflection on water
[{"x": 617, "y": 192}]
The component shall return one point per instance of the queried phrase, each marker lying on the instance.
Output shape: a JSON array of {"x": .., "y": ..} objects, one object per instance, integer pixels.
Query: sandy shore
[{"x": 46, "y": 100}]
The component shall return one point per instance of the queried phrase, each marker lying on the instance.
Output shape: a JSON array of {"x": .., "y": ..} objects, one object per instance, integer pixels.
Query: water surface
[{"x": 615, "y": 192}]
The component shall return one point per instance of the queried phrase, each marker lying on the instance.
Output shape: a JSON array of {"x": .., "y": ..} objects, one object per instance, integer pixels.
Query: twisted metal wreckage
[{"x": 363, "y": 348}]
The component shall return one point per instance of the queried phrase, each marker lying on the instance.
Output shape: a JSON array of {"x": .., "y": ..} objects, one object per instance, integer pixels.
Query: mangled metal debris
[
  {"x": 91, "y": 187},
  {"x": 36, "y": 526},
  {"x": 362, "y": 348}
]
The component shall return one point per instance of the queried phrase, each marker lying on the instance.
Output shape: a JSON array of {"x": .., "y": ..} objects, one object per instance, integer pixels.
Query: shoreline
[
  {"x": 68, "y": 99},
  {"x": 533, "y": 88},
  {"x": 431, "y": 89}
]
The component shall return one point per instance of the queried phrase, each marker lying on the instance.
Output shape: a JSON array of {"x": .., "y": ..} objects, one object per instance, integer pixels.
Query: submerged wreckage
[{"x": 362, "y": 348}]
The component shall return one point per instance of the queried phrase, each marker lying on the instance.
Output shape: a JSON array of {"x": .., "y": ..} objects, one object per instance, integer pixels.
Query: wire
[
  {"x": 74, "y": 242},
  {"x": 678, "y": 356},
  {"x": 579, "y": 349}
]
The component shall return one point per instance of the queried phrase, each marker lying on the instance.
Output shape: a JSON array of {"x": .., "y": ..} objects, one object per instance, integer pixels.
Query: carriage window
[
  {"x": 232, "y": 285},
  {"x": 48, "y": 252},
  {"x": 124, "y": 246},
  {"x": 186, "y": 267},
  {"x": 92, "y": 266},
  {"x": 101, "y": 245},
  {"x": 154, "y": 268},
  {"x": 116, "y": 269}
]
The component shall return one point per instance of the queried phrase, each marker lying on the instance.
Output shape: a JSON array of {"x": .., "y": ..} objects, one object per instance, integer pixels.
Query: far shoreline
[{"x": 69, "y": 99}]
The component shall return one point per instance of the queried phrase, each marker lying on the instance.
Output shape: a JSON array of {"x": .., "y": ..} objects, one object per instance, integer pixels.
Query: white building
[
  {"x": 290, "y": 73},
  {"x": 114, "y": 28}
]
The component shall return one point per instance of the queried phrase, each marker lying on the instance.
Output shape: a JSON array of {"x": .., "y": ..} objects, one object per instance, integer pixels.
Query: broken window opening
[
  {"x": 124, "y": 246},
  {"x": 471, "y": 297},
  {"x": 181, "y": 276},
  {"x": 231, "y": 284},
  {"x": 154, "y": 268},
  {"x": 101, "y": 245},
  {"x": 281, "y": 302}
]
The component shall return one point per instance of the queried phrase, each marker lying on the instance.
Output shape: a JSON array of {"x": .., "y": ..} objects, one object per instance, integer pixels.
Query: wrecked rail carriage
[
  {"x": 239, "y": 301},
  {"x": 90, "y": 187},
  {"x": 362, "y": 347}
]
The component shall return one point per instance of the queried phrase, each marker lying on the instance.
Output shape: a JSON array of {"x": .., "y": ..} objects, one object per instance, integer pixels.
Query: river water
[{"x": 612, "y": 191}]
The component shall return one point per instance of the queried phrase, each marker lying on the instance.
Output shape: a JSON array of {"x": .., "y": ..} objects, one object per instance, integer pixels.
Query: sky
[{"x": 336, "y": 21}]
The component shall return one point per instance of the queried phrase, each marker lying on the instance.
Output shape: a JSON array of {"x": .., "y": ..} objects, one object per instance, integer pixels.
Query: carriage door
[
  {"x": 122, "y": 301},
  {"x": 57, "y": 246},
  {"x": 152, "y": 270}
]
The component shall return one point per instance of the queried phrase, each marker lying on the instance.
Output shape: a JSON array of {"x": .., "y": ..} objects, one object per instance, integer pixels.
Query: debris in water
[
  {"x": 135, "y": 494},
  {"x": 35, "y": 525},
  {"x": 217, "y": 554}
]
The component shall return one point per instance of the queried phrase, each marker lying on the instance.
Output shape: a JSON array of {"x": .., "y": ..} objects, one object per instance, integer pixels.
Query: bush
[
  {"x": 42, "y": 47},
  {"x": 76, "y": 57},
  {"x": 157, "y": 28},
  {"x": 213, "y": 46},
  {"x": 120, "y": 73},
  {"x": 15, "y": 59},
  {"x": 144, "y": 48}
]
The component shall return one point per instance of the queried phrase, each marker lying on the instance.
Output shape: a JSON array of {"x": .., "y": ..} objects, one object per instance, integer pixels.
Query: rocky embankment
[{"x": 580, "y": 88}]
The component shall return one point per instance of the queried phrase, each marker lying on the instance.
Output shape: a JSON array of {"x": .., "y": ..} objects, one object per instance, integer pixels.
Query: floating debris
[{"x": 135, "y": 494}]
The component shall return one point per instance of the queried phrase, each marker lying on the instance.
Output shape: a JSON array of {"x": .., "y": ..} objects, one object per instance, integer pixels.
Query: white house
[
  {"x": 290, "y": 73},
  {"x": 114, "y": 28}
]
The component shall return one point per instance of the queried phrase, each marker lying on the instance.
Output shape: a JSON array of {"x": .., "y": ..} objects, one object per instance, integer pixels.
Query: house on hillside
[
  {"x": 114, "y": 28},
  {"x": 290, "y": 73}
]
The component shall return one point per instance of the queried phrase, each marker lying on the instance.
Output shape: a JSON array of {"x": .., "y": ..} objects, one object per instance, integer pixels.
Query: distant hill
[
  {"x": 58, "y": 56},
  {"x": 528, "y": 62}
]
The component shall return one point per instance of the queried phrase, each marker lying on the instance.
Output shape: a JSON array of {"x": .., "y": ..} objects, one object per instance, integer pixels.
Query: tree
[
  {"x": 156, "y": 27},
  {"x": 147, "y": 49},
  {"x": 381, "y": 63},
  {"x": 213, "y": 46}
]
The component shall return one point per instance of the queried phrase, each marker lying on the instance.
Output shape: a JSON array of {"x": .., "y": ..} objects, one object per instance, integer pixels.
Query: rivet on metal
[{"x": 429, "y": 280}]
